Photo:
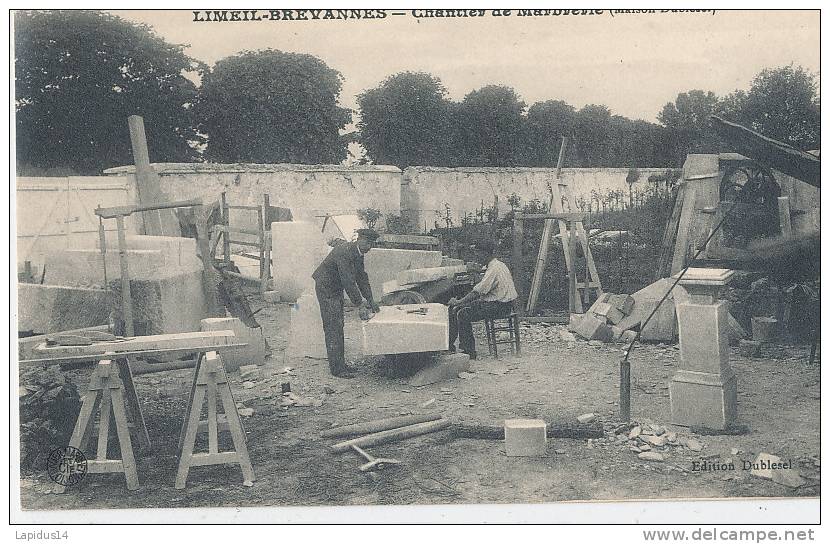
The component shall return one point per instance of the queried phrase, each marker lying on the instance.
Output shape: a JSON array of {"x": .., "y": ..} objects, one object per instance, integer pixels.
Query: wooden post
[
  {"x": 517, "y": 257},
  {"x": 148, "y": 186},
  {"x": 261, "y": 241},
  {"x": 126, "y": 295},
  {"x": 625, "y": 390},
  {"x": 784, "y": 217},
  {"x": 544, "y": 245},
  {"x": 210, "y": 276},
  {"x": 226, "y": 220}
]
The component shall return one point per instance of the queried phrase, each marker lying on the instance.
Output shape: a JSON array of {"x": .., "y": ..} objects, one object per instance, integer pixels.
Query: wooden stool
[
  {"x": 509, "y": 324},
  {"x": 210, "y": 380},
  {"x": 106, "y": 395}
]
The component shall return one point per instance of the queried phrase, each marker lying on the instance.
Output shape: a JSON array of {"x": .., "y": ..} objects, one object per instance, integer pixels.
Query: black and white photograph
[{"x": 279, "y": 258}]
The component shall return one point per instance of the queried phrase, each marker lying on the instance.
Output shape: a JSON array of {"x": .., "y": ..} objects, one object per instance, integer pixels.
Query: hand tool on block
[{"x": 373, "y": 462}]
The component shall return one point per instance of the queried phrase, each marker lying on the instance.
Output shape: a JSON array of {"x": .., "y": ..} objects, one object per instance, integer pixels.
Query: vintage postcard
[{"x": 295, "y": 257}]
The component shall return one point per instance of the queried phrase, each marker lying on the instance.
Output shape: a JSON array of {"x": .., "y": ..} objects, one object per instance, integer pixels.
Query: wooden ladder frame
[
  {"x": 262, "y": 244},
  {"x": 572, "y": 232}
]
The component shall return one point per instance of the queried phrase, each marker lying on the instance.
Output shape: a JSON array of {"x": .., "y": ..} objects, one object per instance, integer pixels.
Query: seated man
[{"x": 492, "y": 297}]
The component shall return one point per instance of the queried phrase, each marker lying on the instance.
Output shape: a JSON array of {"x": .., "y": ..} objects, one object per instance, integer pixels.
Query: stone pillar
[{"x": 704, "y": 390}]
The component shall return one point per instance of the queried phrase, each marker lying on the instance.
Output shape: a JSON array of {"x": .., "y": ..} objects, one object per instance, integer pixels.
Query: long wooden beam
[{"x": 769, "y": 152}]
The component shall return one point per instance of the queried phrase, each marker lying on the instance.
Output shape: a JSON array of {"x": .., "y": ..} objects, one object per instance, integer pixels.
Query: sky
[{"x": 634, "y": 64}]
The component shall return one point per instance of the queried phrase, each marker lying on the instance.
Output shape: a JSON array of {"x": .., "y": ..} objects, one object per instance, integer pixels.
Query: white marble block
[
  {"x": 252, "y": 354},
  {"x": 297, "y": 248},
  {"x": 403, "y": 329},
  {"x": 306, "y": 338},
  {"x": 525, "y": 437},
  {"x": 383, "y": 265},
  {"x": 423, "y": 275}
]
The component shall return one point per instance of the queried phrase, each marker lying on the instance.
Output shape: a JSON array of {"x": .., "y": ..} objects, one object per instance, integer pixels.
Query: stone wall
[
  {"x": 426, "y": 191},
  {"x": 309, "y": 190}
]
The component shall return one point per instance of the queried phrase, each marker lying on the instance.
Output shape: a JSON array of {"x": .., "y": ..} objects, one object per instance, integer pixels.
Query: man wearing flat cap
[
  {"x": 491, "y": 298},
  {"x": 343, "y": 270}
]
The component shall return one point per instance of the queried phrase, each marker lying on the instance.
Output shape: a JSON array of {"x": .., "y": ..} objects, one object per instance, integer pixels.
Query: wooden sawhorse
[
  {"x": 112, "y": 397},
  {"x": 211, "y": 381}
]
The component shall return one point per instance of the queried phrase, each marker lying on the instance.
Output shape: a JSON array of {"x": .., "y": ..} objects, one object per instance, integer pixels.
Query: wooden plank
[
  {"x": 148, "y": 186},
  {"x": 146, "y": 353},
  {"x": 593, "y": 275},
  {"x": 778, "y": 155},
  {"x": 190, "y": 340},
  {"x": 226, "y": 221},
  {"x": 377, "y": 425},
  {"x": 392, "y": 435},
  {"x": 244, "y": 243},
  {"x": 221, "y": 458},
  {"x": 517, "y": 255},
  {"x": 236, "y": 230}
]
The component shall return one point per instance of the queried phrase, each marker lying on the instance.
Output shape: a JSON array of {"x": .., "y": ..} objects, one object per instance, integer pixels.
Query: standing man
[
  {"x": 342, "y": 270},
  {"x": 492, "y": 297}
]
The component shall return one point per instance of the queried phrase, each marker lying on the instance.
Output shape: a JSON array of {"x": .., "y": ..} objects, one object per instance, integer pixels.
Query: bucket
[{"x": 764, "y": 329}]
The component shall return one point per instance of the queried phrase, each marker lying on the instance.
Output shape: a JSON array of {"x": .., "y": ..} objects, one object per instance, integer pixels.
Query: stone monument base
[{"x": 704, "y": 399}]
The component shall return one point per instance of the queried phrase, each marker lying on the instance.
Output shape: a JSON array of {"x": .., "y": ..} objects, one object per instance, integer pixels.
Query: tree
[
  {"x": 782, "y": 103},
  {"x": 687, "y": 121},
  {"x": 80, "y": 74},
  {"x": 491, "y": 124},
  {"x": 631, "y": 178},
  {"x": 591, "y": 128},
  {"x": 405, "y": 121},
  {"x": 272, "y": 107},
  {"x": 546, "y": 123}
]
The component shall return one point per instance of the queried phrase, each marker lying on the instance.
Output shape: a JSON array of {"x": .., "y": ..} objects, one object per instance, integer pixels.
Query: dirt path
[{"x": 552, "y": 379}]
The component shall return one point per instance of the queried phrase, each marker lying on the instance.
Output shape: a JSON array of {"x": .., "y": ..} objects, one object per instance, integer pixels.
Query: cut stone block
[
  {"x": 306, "y": 338},
  {"x": 623, "y": 303},
  {"x": 614, "y": 316},
  {"x": 422, "y": 275},
  {"x": 525, "y": 437},
  {"x": 85, "y": 268},
  {"x": 764, "y": 329},
  {"x": 252, "y": 354},
  {"x": 602, "y": 299},
  {"x": 449, "y": 261},
  {"x": 162, "y": 306},
  {"x": 445, "y": 367},
  {"x": 384, "y": 264},
  {"x": 704, "y": 400},
  {"x": 601, "y": 309},
  {"x": 297, "y": 248},
  {"x": 616, "y": 333},
  {"x": 178, "y": 251},
  {"x": 592, "y": 327},
  {"x": 398, "y": 329},
  {"x": 663, "y": 326},
  {"x": 45, "y": 309},
  {"x": 704, "y": 342},
  {"x": 343, "y": 227}
]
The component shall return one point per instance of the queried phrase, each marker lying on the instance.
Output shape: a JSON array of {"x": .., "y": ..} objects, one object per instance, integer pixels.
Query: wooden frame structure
[{"x": 262, "y": 244}]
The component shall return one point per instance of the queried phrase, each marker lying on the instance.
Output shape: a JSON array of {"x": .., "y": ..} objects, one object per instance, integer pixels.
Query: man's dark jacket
[{"x": 343, "y": 270}]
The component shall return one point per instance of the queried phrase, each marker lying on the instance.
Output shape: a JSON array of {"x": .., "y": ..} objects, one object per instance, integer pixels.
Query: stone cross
[{"x": 704, "y": 390}]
